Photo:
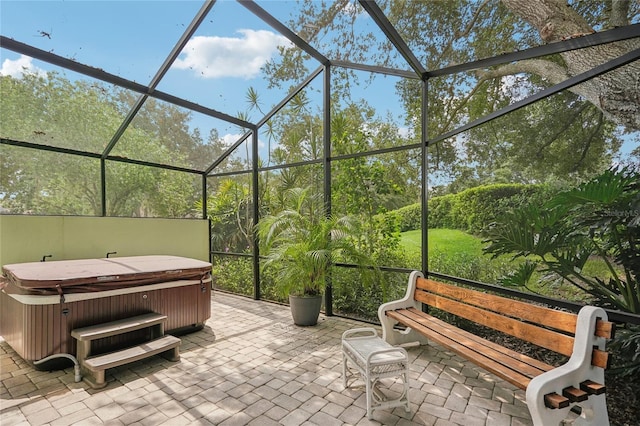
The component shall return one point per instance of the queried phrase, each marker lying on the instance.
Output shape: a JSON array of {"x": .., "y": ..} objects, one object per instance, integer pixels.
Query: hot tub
[{"x": 41, "y": 302}]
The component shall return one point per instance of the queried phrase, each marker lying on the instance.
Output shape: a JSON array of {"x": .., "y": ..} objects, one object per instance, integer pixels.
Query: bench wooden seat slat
[
  {"x": 600, "y": 358},
  {"x": 538, "y": 365},
  {"x": 554, "y": 400},
  {"x": 540, "y": 336},
  {"x": 512, "y": 370},
  {"x": 592, "y": 388},
  {"x": 575, "y": 394},
  {"x": 550, "y": 390},
  {"x": 605, "y": 329},
  {"x": 559, "y": 320}
]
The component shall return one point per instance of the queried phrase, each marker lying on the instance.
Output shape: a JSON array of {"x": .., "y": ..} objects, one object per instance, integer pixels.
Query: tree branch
[
  {"x": 309, "y": 31},
  {"x": 564, "y": 128},
  {"x": 618, "y": 12},
  {"x": 465, "y": 32},
  {"x": 546, "y": 69},
  {"x": 554, "y": 19},
  {"x": 592, "y": 136}
]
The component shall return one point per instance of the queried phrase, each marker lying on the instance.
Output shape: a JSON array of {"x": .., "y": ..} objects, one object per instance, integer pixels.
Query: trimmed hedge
[{"x": 471, "y": 210}]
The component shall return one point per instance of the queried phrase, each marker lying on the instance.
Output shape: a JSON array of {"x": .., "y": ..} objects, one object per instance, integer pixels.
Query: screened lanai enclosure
[{"x": 425, "y": 120}]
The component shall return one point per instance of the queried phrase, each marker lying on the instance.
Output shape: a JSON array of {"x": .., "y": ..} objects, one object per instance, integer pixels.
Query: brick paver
[{"x": 251, "y": 366}]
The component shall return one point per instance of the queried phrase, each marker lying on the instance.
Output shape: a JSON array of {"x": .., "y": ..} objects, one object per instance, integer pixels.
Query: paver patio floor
[{"x": 251, "y": 366}]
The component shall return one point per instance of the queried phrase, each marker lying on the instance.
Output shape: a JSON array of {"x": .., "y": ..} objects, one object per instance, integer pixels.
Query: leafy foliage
[
  {"x": 408, "y": 217},
  {"x": 567, "y": 135},
  {"x": 53, "y": 111},
  {"x": 303, "y": 243},
  {"x": 627, "y": 344},
  {"x": 471, "y": 210},
  {"x": 598, "y": 218},
  {"x": 230, "y": 211}
]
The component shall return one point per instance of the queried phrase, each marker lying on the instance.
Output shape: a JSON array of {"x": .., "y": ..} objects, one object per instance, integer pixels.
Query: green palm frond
[
  {"x": 529, "y": 231},
  {"x": 604, "y": 189},
  {"x": 521, "y": 276},
  {"x": 303, "y": 243}
]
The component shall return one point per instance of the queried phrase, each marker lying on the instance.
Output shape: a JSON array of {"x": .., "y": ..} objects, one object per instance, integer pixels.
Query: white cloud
[
  {"x": 215, "y": 57},
  {"x": 353, "y": 9},
  {"x": 17, "y": 68},
  {"x": 230, "y": 138},
  {"x": 405, "y": 132}
]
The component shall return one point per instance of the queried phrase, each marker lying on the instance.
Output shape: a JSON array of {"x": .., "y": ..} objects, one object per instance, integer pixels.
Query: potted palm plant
[{"x": 302, "y": 243}]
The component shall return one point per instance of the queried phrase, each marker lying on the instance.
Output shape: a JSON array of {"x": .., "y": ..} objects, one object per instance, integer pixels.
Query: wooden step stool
[{"x": 93, "y": 367}]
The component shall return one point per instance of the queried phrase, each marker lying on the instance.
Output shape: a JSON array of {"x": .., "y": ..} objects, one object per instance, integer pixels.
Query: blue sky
[{"x": 132, "y": 39}]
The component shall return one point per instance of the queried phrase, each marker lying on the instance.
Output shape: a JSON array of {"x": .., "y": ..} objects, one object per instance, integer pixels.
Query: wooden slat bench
[
  {"x": 93, "y": 367},
  {"x": 550, "y": 391}
]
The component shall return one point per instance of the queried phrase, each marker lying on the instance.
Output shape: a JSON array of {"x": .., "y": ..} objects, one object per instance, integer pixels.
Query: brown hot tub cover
[{"x": 86, "y": 275}]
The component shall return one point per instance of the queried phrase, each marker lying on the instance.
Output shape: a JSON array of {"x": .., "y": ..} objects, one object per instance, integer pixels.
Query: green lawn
[
  {"x": 443, "y": 240},
  {"x": 465, "y": 254}
]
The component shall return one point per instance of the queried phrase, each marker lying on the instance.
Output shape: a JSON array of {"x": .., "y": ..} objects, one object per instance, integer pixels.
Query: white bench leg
[
  {"x": 594, "y": 412},
  {"x": 369, "y": 391},
  {"x": 401, "y": 337},
  {"x": 389, "y": 333},
  {"x": 344, "y": 369},
  {"x": 576, "y": 370}
]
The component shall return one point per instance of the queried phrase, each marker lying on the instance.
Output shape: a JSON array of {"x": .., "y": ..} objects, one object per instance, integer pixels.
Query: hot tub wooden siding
[{"x": 36, "y": 331}]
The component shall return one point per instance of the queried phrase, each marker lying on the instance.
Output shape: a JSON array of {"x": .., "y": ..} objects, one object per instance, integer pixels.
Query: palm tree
[{"x": 303, "y": 243}]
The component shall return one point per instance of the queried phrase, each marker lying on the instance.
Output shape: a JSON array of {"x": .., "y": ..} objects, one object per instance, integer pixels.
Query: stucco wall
[{"x": 29, "y": 238}]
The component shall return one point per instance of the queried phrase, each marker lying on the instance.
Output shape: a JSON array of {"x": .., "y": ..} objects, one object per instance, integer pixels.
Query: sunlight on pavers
[{"x": 251, "y": 366}]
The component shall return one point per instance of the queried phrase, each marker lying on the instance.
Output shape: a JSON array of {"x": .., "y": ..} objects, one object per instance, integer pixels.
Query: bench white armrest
[
  {"x": 577, "y": 369},
  {"x": 389, "y": 333}
]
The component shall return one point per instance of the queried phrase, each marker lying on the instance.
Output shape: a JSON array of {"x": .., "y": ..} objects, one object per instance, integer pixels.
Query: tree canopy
[
  {"x": 570, "y": 136},
  {"x": 52, "y": 110},
  {"x": 589, "y": 119}
]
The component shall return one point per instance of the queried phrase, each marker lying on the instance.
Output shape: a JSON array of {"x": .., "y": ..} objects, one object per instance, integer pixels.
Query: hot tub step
[
  {"x": 100, "y": 331},
  {"x": 93, "y": 367},
  {"x": 98, "y": 364},
  {"x": 85, "y": 336}
]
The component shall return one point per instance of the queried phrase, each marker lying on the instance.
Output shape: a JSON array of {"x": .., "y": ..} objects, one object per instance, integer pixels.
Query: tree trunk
[{"x": 616, "y": 93}]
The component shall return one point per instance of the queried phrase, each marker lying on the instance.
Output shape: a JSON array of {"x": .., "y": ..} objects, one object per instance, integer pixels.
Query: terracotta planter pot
[{"x": 305, "y": 309}]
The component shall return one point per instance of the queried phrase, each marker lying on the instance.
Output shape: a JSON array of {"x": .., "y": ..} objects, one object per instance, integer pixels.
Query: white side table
[{"x": 375, "y": 359}]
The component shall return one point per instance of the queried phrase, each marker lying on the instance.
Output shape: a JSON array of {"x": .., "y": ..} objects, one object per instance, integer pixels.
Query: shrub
[
  {"x": 471, "y": 210},
  {"x": 475, "y": 208},
  {"x": 233, "y": 274},
  {"x": 410, "y": 217},
  {"x": 439, "y": 212}
]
